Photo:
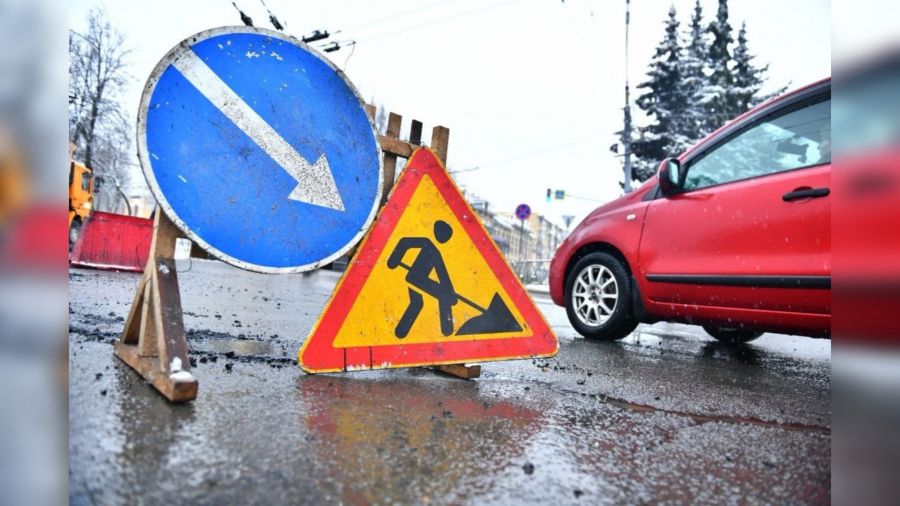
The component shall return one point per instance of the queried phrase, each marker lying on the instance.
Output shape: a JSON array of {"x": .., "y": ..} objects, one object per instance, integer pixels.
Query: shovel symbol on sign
[{"x": 494, "y": 319}]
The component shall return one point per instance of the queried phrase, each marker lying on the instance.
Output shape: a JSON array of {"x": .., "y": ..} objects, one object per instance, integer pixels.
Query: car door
[{"x": 751, "y": 228}]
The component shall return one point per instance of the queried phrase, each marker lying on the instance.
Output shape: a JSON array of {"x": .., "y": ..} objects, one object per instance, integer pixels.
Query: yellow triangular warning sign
[{"x": 427, "y": 286}]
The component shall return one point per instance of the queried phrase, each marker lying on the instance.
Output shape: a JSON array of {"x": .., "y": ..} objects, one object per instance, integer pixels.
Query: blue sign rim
[
  {"x": 147, "y": 166},
  {"x": 526, "y": 210}
]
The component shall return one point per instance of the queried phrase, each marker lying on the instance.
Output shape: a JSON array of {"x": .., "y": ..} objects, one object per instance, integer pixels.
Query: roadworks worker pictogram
[{"x": 496, "y": 318}]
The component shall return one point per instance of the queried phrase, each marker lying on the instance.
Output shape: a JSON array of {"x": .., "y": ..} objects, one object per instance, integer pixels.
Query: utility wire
[
  {"x": 247, "y": 20},
  {"x": 352, "y": 49},
  {"x": 272, "y": 19},
  {"x": 528, "y": 154},
  {"x": 464, "y": 170}
]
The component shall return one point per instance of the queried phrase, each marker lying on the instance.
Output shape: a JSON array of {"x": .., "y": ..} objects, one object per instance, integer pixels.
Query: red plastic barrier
[{"x": 113, "y": 241}]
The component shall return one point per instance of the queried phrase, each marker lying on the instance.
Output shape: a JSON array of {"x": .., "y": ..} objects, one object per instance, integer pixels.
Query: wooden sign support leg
[
  {"x": 153, "y": 342},
  {"x": 440, "y": 140},
  {"x": 459, "y": 370}
]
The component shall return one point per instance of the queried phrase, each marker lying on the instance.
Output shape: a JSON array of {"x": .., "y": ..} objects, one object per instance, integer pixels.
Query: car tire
[
  {"x": 738, "y": 335},
  {"x": 598, "y": 298}
]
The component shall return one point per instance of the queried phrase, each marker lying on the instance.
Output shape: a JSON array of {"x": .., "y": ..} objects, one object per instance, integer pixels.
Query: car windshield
[{"x": 800, "y": 137}]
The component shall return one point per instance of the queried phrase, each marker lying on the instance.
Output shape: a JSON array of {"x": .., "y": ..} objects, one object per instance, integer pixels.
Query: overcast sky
[{"x": 531, "y": 90}]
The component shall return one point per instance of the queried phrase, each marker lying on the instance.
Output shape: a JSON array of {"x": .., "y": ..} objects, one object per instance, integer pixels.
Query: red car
[{"x": 733, "y": 235}]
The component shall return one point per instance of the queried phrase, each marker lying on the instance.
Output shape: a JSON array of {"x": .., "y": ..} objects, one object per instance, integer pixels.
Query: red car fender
[{"x": 615, "y": 227}]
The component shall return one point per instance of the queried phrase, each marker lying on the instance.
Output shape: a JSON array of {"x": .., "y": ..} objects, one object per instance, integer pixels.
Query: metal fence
[{"x": 532, "y": 272}]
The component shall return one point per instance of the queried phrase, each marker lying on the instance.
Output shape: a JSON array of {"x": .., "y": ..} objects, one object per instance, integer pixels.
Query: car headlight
[{"x": 86, "y": 205}]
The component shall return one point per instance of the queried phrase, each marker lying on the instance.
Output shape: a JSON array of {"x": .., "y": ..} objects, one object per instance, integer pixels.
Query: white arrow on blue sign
[{"x": 259, "y": 149}]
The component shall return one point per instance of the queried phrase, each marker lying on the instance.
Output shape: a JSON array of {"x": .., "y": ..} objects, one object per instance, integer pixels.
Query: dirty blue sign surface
[
  {"x": 259, "y": 150},
  {"x": 523, "y": 211}
]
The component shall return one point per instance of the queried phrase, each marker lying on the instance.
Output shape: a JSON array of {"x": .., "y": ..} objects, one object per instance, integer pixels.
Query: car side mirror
[{"x": 670, "y": 177}]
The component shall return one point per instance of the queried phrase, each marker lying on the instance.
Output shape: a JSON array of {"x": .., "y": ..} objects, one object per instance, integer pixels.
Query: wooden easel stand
[{"x": 154, "y": 343}]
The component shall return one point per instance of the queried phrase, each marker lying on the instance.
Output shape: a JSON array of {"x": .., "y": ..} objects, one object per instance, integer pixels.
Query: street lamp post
[{"x": 626, "y": 132}]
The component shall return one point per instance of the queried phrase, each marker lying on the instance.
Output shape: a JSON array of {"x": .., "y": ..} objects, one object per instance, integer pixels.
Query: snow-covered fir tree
[
  {"x": 696, "y": 82},
  {"x": 721, "y": 103},
  {"x": 748, "y": 79},
  {"x": 662, "y": 100}
]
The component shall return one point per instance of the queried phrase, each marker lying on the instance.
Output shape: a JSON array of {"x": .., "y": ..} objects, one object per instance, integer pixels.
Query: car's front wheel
[
  {"x": 732, "y": 335},
  {"x": 598, "y": 298}
]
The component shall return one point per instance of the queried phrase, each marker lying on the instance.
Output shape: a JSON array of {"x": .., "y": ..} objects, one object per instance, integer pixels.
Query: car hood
[{"x": 612, "y": 206}]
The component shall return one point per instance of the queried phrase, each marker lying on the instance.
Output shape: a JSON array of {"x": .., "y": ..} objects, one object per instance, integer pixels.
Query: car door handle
[{"x": 806, "y": 193}]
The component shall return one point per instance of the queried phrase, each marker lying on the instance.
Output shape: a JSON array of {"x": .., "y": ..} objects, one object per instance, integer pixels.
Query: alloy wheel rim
[{"x": 595, "y": 295}]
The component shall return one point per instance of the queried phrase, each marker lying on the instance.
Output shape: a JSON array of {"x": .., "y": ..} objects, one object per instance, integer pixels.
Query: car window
[
  {"x": 85, "y": 181},
  {"x": 796, "y": 138}
]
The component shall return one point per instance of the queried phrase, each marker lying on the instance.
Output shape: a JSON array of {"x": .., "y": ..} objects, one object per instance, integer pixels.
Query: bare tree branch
[{"x": 98, "y": 73}]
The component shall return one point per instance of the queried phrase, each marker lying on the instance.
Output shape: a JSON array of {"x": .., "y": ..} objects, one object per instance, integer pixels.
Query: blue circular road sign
[
  {"x": 259, "y": 149},
  {"x": 523, "y": 211}
]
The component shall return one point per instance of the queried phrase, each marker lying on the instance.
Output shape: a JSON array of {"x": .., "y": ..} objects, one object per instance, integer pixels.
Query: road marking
[{"x": 315, "y": 183}]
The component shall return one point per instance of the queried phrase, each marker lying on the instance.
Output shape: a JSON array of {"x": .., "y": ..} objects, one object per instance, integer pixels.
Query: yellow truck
[{"x": 81, "y": 198}]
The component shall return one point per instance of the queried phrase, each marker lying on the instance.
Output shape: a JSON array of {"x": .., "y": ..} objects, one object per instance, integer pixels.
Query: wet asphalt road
[{"x": 664, "y": 415}]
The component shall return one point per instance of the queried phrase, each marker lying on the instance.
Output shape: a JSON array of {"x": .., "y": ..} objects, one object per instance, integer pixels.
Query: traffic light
[{"x": 549, "y": 194}]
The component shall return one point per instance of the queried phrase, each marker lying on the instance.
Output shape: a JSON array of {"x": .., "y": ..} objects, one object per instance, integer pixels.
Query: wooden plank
[
  {"x": 390, "y": 159},
  {"x": 415, "y": 132},
  {"x": 395, "y": 146},
  {"x": 150, "y": 369},
  {"x": 370, "y": 111},
  {"x": 440, "y": 139},
  {"x": 147, "y": 343},
  {"x": 393, "y": 127},
  {"x": 154, "y": 332},
  {"x": 459, "y": 370},
  {"x": 132, "y": 331},
  {"x": 165, "y": 234},
  {"x": 168, "y": 316}
]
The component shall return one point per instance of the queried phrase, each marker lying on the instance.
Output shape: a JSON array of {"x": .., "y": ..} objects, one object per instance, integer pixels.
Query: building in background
[
  {"x": 527, "y": 246},
  {"x": 547, "y": 236},
  {"x": 498, "y": 230}
]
